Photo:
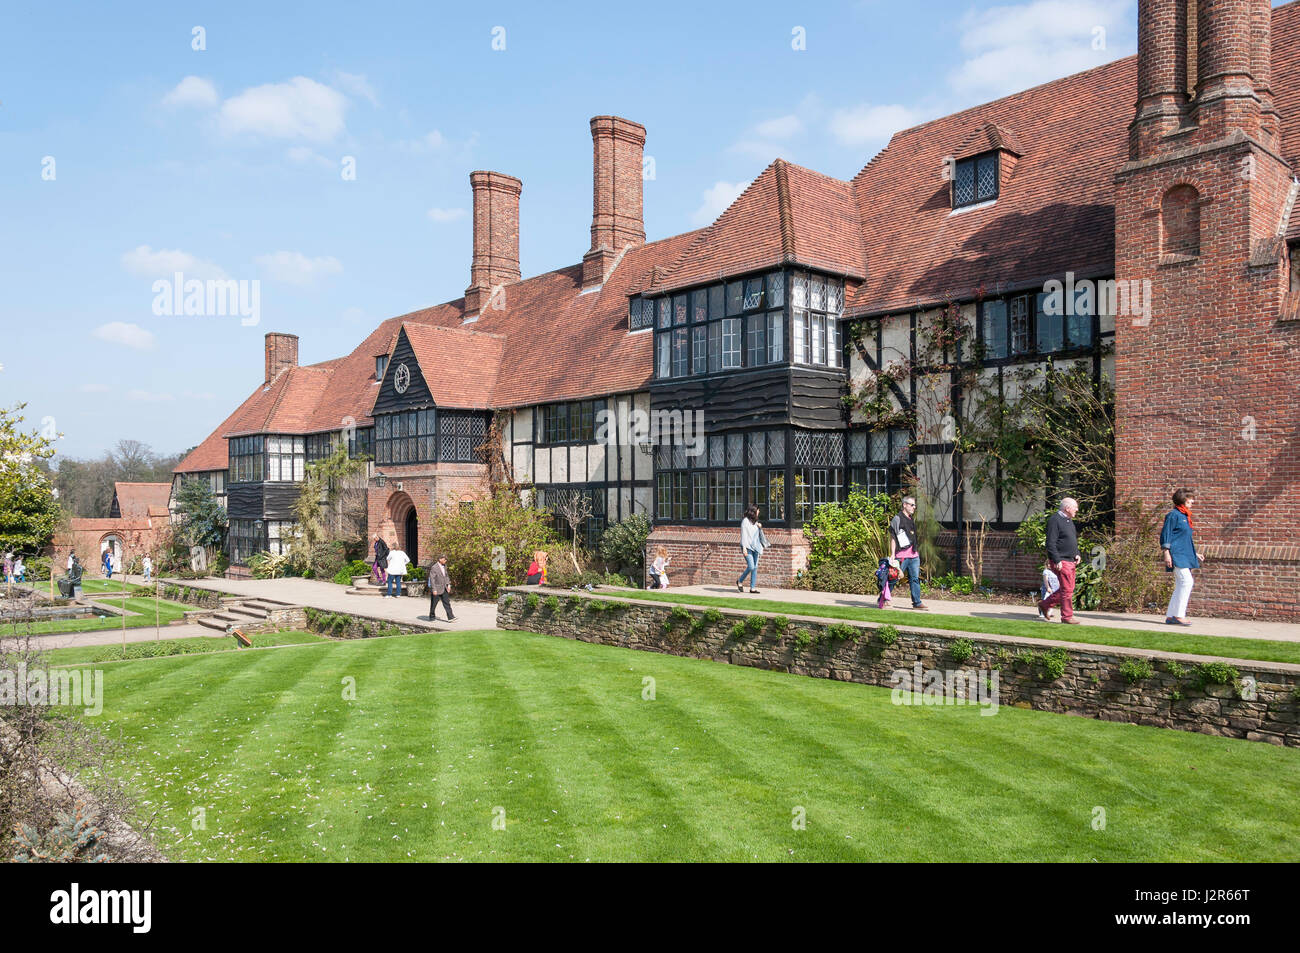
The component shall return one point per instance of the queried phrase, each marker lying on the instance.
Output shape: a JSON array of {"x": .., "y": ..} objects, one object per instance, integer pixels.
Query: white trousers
[{"x": 1182, "y": 592}]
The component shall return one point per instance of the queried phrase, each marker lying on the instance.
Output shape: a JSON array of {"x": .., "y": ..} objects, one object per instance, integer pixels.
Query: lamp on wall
[{"x": 381, "y": 480}]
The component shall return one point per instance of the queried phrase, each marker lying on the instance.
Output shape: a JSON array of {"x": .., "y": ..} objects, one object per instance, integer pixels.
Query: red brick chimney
[
  {"x": 616, "y": 219},
  {"x": 281, "y": 352},
  {"x": 496, "y": 236}
]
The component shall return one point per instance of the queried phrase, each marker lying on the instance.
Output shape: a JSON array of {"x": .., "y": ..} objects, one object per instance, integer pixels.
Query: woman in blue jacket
[{"x": 1180, "y": 553}]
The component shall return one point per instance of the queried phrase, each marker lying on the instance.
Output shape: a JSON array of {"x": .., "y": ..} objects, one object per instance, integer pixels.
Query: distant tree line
[{"x": 86, "y": 485}]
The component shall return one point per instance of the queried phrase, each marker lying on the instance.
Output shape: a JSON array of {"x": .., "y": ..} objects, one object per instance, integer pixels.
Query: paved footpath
[
  {"x": 334, "y": 598},
  {"x": 1233, "y": 628},
  {"x": 65, "y": 640}
]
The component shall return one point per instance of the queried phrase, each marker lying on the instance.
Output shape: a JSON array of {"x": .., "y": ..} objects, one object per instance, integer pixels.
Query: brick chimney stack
[
  {"x": 617, "y": 219},
  {"x": 496, "y": 236},
  {"x": 281, "y": 352}
]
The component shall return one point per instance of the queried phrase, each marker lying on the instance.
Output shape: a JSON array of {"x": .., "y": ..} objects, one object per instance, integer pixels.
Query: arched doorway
[
  {"x": 412, "y": 534},
  {"x": 110, "y": 544}
]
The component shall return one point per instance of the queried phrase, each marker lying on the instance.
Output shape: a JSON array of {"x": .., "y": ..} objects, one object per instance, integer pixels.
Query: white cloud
[
  {"x": 865, "y": 123},
  {"x": 143, "y": 262},
  {"x": 716, "y": 198},
  {"x": 192, "y": 91},
  {"x": 299, "y": 109},
  {"x": 1014, "y": 47},
  {"x": 148, "y": 397},
  {"x": 782, "y": 127},
  {"x": 431, "y": 141},
  {"x": 446, "y": 214},
  {"x": 357, "y": 85},
  {"x": 295, "y": 268},
  {"x": 304, "y": 155},
  {"x": 128, "y": 335}
]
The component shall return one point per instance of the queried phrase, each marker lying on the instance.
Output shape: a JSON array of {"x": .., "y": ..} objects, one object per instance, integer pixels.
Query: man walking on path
[
  {"x": 440, "y": 588},
  {"x": 902, "y": 546},
  {"x": 1062, "y": 558},
  {"x": 397, "y": 563}
]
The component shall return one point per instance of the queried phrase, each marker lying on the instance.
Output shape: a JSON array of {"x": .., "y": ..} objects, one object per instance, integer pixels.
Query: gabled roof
[
  {"x": 1055, "y": 215},
  {"x": 460, "y": 366},
  {"x": 989, "y": 137},
  {"x": 787, "y": 215},
  {"x": 141, "y": 500}
]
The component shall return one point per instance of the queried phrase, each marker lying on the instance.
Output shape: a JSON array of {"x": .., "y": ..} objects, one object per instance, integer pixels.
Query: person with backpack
[
  {"x": 1180, "y": 555},
  {"x": 902, "y": 546},
  {"x": 381, "y": 560}
]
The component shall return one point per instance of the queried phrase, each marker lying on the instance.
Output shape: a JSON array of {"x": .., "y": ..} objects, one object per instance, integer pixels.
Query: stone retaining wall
[
  {"x": 346, "y": 625},
  {"x": 1259, "y": 701}
]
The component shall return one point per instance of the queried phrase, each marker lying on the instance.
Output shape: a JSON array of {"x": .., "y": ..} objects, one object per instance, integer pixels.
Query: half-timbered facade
[{"x": 688, "y": 377}]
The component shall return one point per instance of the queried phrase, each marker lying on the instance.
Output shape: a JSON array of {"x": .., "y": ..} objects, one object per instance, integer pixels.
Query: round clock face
[{"x": 401, "y": 378}]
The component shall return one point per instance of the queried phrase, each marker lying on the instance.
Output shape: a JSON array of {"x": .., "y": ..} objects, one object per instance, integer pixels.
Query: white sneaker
[{"x": 1041, "y": 617}]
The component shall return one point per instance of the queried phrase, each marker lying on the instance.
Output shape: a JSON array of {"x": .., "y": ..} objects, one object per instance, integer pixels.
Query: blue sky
[{"x": 227, "y": 161}]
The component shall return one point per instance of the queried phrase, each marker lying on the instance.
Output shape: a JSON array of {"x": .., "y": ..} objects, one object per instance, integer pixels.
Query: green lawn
[
  {"x": 1156, "y": 638},
  {"x": 446, "y": 728},
  {"x": 200, "y": 645},
  {"x": 168, "y": 612}
]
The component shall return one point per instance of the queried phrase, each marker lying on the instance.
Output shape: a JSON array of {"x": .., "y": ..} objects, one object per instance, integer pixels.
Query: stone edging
[{"x": 1259, "y": 701}]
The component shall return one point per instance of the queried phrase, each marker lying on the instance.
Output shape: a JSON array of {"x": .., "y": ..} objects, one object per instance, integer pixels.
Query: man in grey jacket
[{"x": 440, "y": 588}]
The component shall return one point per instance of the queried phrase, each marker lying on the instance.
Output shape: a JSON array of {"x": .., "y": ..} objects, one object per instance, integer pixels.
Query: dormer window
[
  {"x": 381, "y": 365},
  {"x": 975, "y": 180}
]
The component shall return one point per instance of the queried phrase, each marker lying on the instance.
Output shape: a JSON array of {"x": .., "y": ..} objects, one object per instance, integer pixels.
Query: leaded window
[{"x": 976, "y": 180}]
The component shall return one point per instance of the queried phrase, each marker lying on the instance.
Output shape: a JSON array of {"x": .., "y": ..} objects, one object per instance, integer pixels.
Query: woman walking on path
[
  {"x": 381, "y": 560},
  {"x": 1180, "y": 554},
  {"x": 752, "y": 544}
]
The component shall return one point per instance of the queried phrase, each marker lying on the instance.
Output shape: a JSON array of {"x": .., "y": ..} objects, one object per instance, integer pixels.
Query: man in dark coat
[
  {"x": 1062, "y": 558},
  {"x": 381, "y": 560},
  {"x": 440, "y": 588}
]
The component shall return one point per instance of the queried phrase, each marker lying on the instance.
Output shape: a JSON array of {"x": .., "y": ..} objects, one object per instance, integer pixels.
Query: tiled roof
[
  {"x": 138, "y": 500},
  {"x": 787, "y": 215},
  {"x": 890, "y": 230},
  {"x": 460, "y": 366},
  {"x": 1055, "y": 213}
]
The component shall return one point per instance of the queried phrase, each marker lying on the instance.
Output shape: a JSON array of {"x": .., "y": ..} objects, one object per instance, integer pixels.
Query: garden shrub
[
  {"x": 888, "y": 634},
  {"x": 1136, "y": 670},
  {"x": 553, "y": 603},
  {"x": 622, "y": 546},
  {"x": 779, "y": 624},
  {"x": 1215, "y": 673},
  {"x": 1054, "y": 663},
  {"x": 841, "y": 632},
  {"x": 1135, "y": 574},
  {"x": 468, "y": 533},
  {"x": 961, "y": 650},
  {"x": 855, "y": 578},
  {"x": 802, "y": 639}
]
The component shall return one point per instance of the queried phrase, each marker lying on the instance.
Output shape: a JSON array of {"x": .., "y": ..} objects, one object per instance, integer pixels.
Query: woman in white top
[{"x": 751, "y": 544}]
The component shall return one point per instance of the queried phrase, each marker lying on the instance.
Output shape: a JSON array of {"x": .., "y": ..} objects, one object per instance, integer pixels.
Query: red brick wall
[
  {"x": 1207, "y": 390},
  {"x": 425, "y": 487},
  {"x": 710, "y": 555}
]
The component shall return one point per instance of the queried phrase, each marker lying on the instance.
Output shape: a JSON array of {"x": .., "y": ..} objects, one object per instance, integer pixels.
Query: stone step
[
  {"x": 364, "y": 591},
  {"x": 252, "y": 612},
  {"x": 209, "y": 622}
]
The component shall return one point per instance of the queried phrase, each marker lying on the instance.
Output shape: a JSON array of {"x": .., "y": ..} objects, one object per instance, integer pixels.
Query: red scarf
[{"x": 1182, "y": 508}]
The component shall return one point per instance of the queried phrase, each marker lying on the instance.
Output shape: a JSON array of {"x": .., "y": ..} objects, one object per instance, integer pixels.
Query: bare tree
[{"x": 575, "y": 509}]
